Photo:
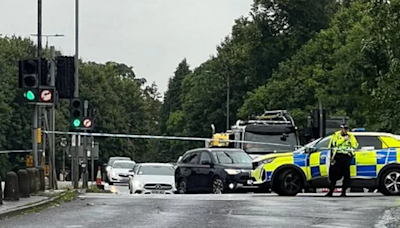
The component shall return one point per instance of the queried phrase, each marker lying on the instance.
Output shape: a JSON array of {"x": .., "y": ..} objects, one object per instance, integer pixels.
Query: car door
[
  {"x": 205, "y": 171},
  {"x": 185, "y": 169},
  {"x": 191, "y": 169},
  {"x": 318, "y": 160},
  {"x": 370, "y": 157}
]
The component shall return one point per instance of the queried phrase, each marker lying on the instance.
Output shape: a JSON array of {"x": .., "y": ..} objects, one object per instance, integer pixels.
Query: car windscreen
[
  {"x": 112, "y": 160},
  {"x": 156, "y": 170},
  {"x": 278, "y": 143},
  {"x": 123, "y": 165},
  {"x": 231, "y": 157}
]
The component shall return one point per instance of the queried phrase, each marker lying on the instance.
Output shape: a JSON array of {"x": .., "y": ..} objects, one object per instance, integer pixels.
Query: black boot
[{"x": 343, "y": 194}]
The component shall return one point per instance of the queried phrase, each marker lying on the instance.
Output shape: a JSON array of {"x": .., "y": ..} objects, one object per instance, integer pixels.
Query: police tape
[{"x": 159, "y": 137}]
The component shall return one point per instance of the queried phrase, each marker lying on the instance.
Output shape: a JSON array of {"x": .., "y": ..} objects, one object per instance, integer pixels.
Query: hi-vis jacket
[{"x": 340, "y": 145}]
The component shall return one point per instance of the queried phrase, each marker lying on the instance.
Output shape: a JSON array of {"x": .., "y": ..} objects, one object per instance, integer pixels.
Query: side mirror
[
  {"x": 206, "y": 162},
  {"x": 310, "y": 150}
]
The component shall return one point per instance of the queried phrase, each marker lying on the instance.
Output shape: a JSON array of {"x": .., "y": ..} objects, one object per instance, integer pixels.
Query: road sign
[
  {"x": 46, "y": 95},
  {"x": 29, "y": 161},
  {"x": 63, "y": 142},
  {"x": 87, "y": 123},
  {"x": 46, "y": 170}
]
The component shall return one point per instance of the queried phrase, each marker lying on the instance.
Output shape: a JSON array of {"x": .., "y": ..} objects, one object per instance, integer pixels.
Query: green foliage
[
  {"x": 245, "y": 60},
  {"x": 122, "y": 101},
  {"x": 349, "y": 67}
]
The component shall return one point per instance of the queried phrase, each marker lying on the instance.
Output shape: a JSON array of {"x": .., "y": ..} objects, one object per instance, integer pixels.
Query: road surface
[{"x": 228, "y": 210}]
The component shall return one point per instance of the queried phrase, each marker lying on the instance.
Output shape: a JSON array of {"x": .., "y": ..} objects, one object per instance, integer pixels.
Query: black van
[{"x": 213, "y": 170}]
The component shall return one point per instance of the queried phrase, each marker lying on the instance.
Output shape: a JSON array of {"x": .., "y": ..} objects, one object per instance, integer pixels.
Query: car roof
[
  {"x": 213, "y": 149},
  {"x": 374, "y": 133},
  {"x": 158, "y": 164},
  {"x": 124, "y": 161},
  {"x": 119, "y": 158}
]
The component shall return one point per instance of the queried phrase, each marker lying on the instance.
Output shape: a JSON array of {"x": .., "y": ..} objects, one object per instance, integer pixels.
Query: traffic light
[
  {"x": 42, "y": 95},
  {"x": 318, "y": 126},
  {"x": 30, "y": 81},
  {"x": 29, "y": 73},
  {"x": 76, "y": 111},
  {"x": 65, "y": 82}
]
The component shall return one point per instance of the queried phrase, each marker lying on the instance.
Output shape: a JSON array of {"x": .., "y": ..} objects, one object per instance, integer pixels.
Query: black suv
[{"x": 213, "y": 170}]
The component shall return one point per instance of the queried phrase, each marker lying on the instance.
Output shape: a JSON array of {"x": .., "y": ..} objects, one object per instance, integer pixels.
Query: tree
[
  {"x": 171, "y": 115},
  {"x": 341, "y": 67},
  {"x": 273, "y": 33}
]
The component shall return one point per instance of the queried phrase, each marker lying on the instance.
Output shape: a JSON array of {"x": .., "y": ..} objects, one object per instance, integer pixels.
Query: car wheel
[
  {"x": 389, "y": 183},
  {"x": 218, "y": 186},
  {"x": 182, "y": 186},
  {"x": 289, "y": 183}
]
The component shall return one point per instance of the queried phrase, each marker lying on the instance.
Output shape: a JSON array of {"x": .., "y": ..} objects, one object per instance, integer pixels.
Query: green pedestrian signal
[
  {"x": 76, "y": 123},
  {"x": 29, "y": 95}
]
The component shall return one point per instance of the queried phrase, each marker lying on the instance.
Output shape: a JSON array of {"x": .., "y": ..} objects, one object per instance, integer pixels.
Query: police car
[{"x": 376, "y": 165}]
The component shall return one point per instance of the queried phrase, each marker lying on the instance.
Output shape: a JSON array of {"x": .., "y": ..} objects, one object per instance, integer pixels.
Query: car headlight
[
  {"x": 112, "y": 173},
  {"x": 139, "y": 185},
  {"x": 266, "y": 161},
  {"x": 233, "y": 171}
]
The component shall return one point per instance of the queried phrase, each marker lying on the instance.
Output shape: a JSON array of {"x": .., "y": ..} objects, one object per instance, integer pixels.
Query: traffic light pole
[
  {"x": 76, "y": 94},
  {"x": 53, "y": 176},
  {"x": 85, "y": 158},
  {"x": 36, "y": 108}
]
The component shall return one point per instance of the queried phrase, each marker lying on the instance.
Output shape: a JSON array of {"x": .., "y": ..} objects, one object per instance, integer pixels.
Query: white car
[
  {"x": 110, "y": 162},
  {"x": 120, "y": 171},
  {"x": 153, "y": 178}
]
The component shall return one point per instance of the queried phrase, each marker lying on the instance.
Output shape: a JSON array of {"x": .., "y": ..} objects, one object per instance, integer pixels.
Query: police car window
[
  {"x": 369, "y": 141},
  {"x": 324, "y": 143}
]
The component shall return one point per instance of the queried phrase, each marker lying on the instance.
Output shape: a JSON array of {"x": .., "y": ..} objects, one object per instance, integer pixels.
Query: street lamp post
[
  {"x": 227, "y": 101},
  {"x": 47, "y": 37},
  {"x": 228, "y": 85}
]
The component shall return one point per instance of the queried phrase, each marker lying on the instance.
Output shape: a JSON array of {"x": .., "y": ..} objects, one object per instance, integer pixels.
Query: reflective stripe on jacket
[{"x": 340, "y": 145}]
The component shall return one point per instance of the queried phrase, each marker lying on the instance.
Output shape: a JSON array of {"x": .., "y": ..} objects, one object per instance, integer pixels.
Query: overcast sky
[{"x": 153, "y": 36}]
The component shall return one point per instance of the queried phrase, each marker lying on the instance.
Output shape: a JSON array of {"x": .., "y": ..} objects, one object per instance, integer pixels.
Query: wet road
[{"x": 228, "y": 210}]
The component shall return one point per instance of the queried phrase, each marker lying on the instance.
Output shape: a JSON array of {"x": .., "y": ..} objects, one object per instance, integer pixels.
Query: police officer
[{"x": 342, "y": 145}]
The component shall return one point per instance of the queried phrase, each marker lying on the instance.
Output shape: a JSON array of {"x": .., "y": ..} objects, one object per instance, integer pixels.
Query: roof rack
[{"x": 269, "y": 117}]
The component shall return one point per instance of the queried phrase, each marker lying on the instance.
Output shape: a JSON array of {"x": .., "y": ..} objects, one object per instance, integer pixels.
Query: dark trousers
[{"x": 340, "y": 168}]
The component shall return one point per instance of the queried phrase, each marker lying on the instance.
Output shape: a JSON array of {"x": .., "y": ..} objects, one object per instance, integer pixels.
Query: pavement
[
  {"x": 95, "y": 210},
  {"x": 10, "y": 208}
]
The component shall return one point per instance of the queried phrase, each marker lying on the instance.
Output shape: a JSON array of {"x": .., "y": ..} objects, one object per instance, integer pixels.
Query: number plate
[{"x": 157, "y": 192}]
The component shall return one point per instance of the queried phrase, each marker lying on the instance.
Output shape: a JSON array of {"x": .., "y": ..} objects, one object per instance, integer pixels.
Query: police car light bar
[{"x": 360, "y": 129}]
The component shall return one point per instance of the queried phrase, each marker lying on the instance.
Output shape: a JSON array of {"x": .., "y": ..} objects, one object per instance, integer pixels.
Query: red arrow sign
[{"x": 87, "y": 123}]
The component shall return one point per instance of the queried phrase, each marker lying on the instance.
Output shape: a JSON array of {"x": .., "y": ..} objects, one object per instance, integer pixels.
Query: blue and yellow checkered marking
[
  {"x": 268, "y": 176},
  {"x": 301, "y": 160},
  {"x": 365, "y": 163},
  {"x": 366, "y": 170}
]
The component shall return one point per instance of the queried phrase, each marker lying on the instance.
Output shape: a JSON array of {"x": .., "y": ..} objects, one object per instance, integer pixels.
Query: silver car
[
  {"x": 120, "y": 171},
  {"x": 153, "y": 178}
]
